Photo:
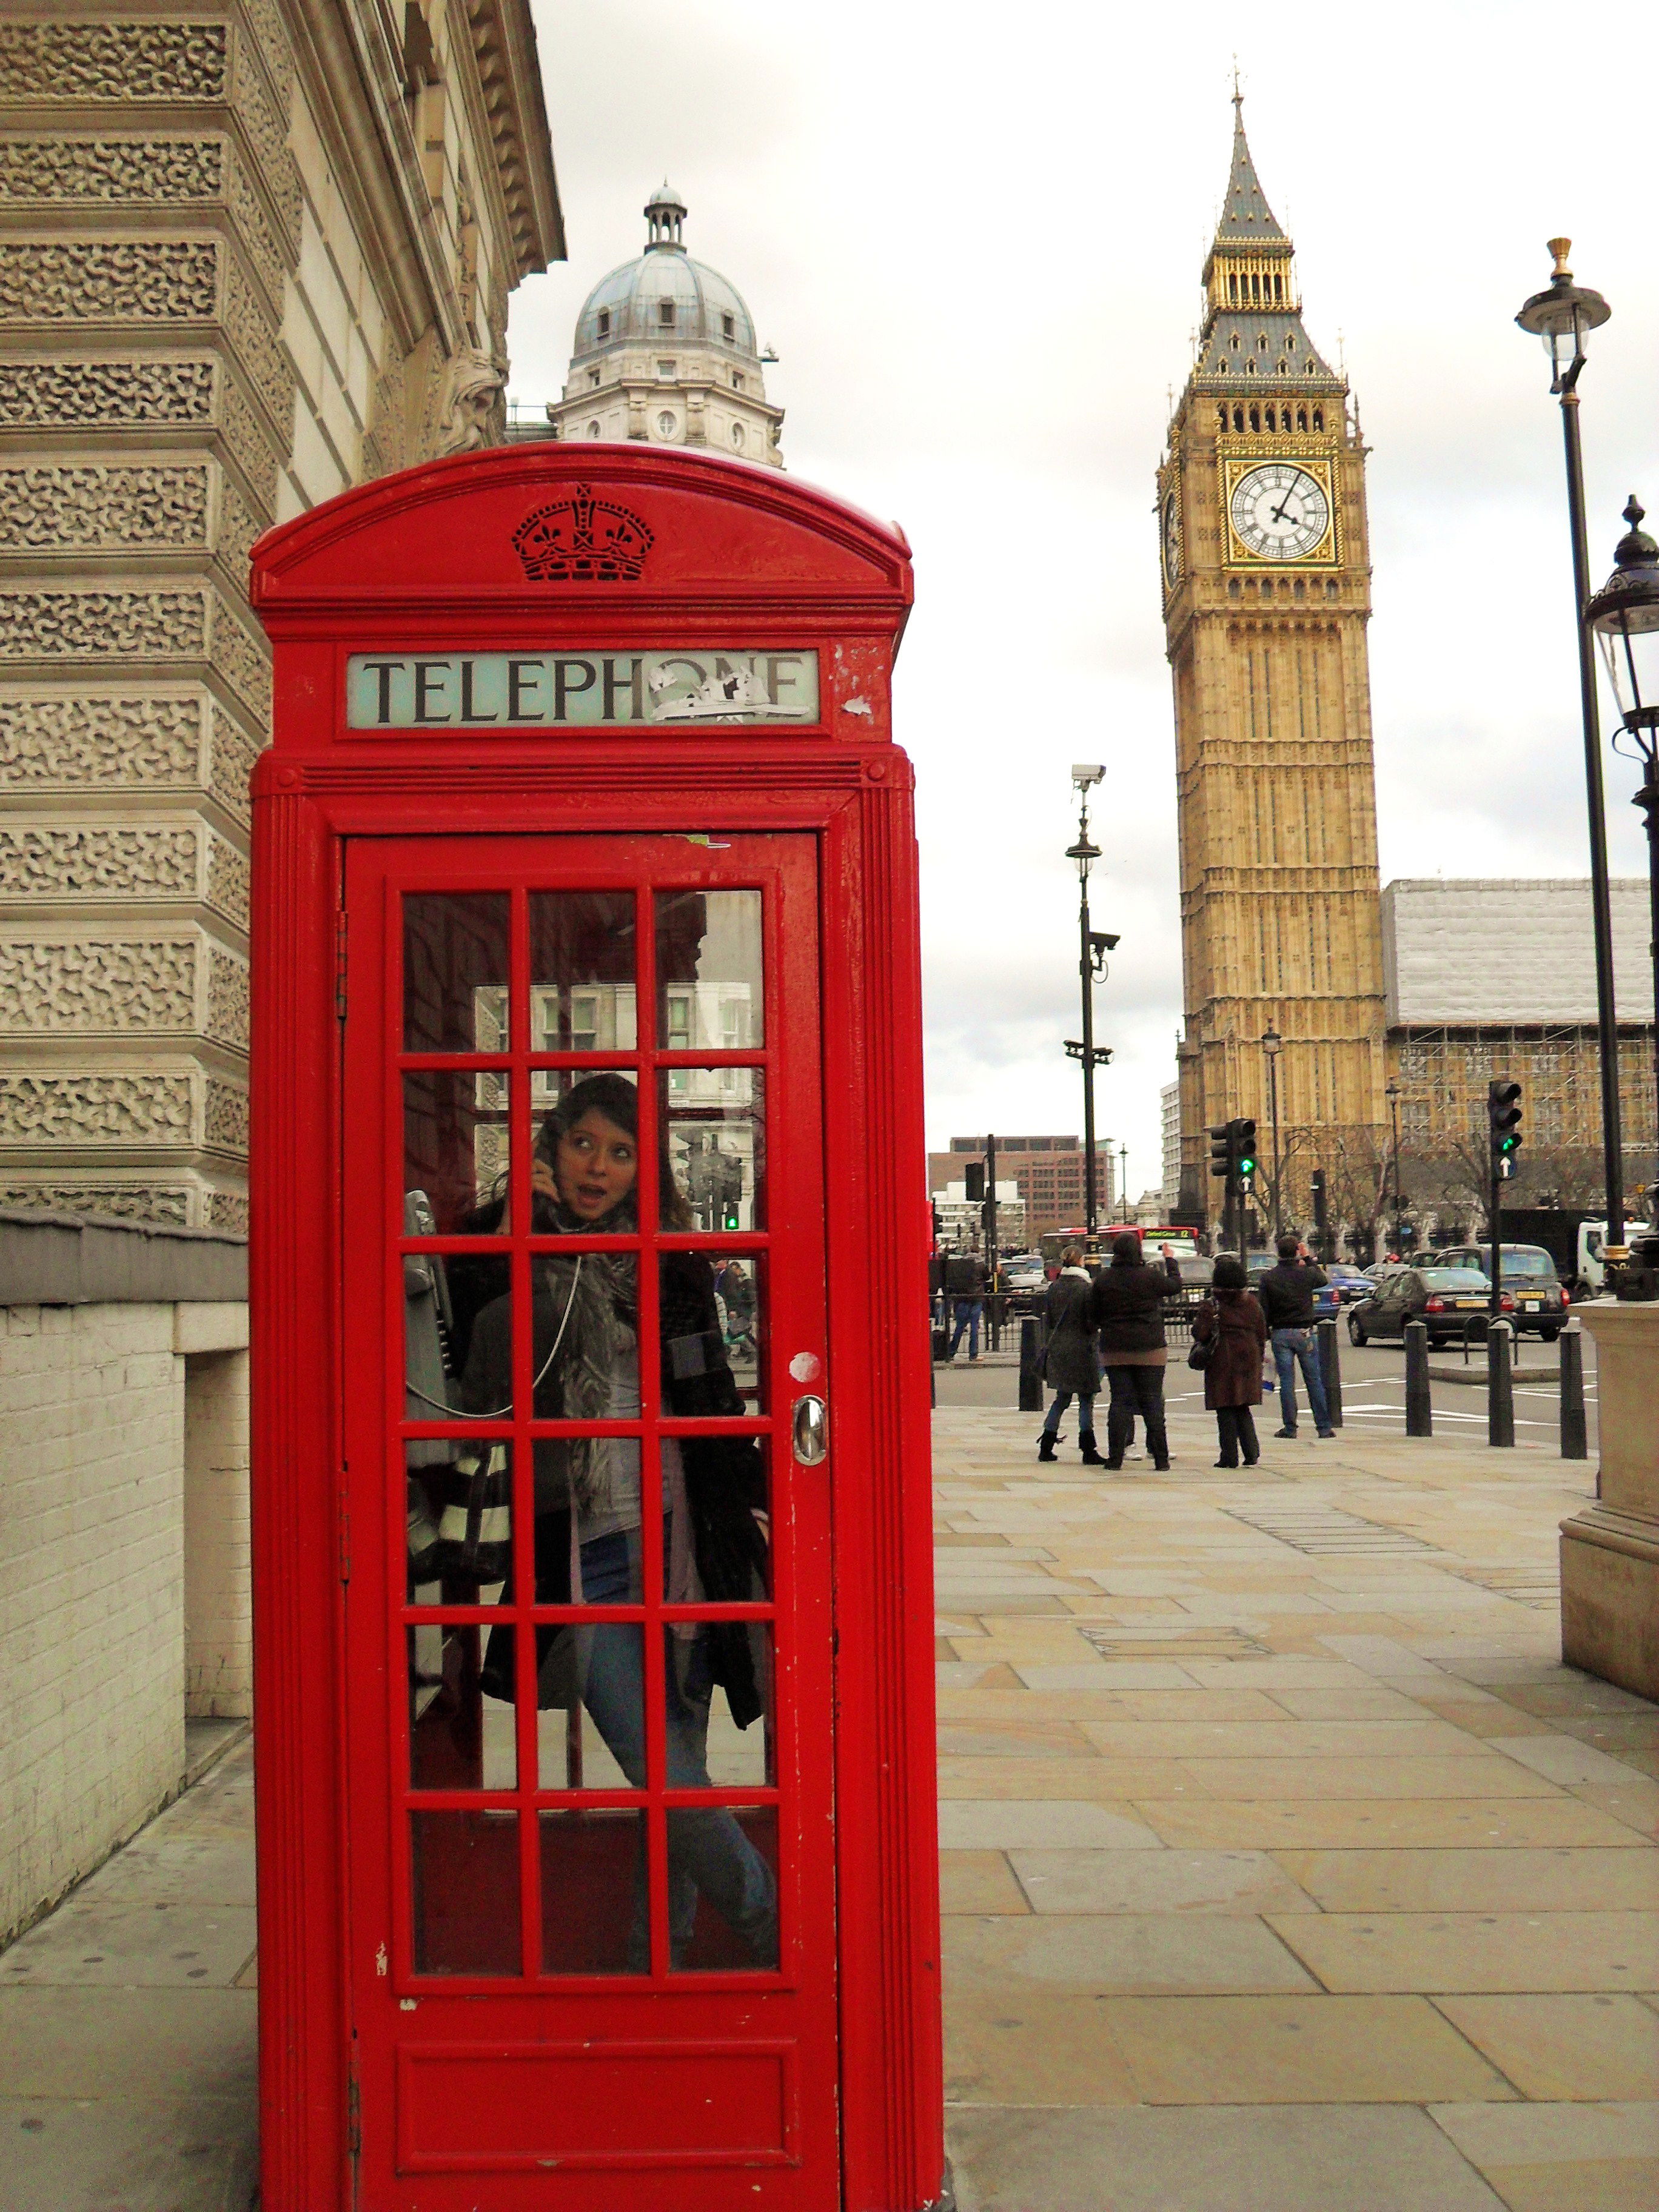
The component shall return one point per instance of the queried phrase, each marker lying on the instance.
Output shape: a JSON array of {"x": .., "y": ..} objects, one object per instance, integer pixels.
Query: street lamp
[
  {"x": 1624, "y": 616},
  {"x": 1091, "y": 963},
  {"x": 1391, "y": 1093},
  {"x": 1123, "y": 1177},
  {"x": 1272, "y": 1044},
  {"x": 1563, "y": 316}
]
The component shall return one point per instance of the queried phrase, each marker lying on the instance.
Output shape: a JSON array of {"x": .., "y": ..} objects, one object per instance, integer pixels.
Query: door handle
[{"x": 812, "y": 1432}]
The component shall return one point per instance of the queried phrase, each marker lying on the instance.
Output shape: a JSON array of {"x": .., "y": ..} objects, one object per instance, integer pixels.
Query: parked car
[
  {"x": 1350, "y": 1284},
  {"x": 1530, "y": 1277},
  {"x": 1446, "y": 1298}
]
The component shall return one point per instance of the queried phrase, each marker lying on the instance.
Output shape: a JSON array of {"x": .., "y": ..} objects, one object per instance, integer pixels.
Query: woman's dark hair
[
  {"x": 1125, "y": 1249},
  {"x": 618, "y": 1101},
  {"x": 1229, "y": 1273}
]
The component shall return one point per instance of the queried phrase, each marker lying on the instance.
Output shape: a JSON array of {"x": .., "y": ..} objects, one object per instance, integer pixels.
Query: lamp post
[
  {"x": 1391, "y": 1093},
  {"x": 1094, "y": 946},
  {"x": 1625, "y": 618},
  {"x": 1123, "y": 1177},
  {"x": 1272, "y": 1044},
  {"x": 1563, "y": 316}
]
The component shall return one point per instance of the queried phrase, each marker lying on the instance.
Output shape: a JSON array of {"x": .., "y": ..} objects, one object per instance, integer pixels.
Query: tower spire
[{"x": 1246, "y": 218}]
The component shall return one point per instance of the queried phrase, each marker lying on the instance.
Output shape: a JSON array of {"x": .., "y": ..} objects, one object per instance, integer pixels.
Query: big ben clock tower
[{"x": 1267, "y": 594}]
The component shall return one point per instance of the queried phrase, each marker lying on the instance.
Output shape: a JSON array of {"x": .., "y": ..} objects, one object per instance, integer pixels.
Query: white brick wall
[
  {"x": 218, "y": 1598},
  {"x": 92, "y": 1710},
  {"x": 1509, "y": 949}
]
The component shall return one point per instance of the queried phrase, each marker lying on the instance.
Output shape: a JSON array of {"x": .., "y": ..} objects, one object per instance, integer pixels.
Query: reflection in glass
[
  {"x": 730, "y": 1928},
  {"x": 715, "y": 1122},
  {"x": 458, "y": 1739},
  {"x": 727, "y": 1670},
  {"x": 465, "y": 1884},
  {"x": 455, "y": 971},
  {"x": 581, "y": 971},
  {"x": 714, "y": 1330},
  {"x": 709, "y": 995},
  {"x": 455, "y": 1152},
  {"x": 593, "y": 1891},
  {"x": 459, "y": 1493},
  {"x": 457, "y": 1336},
  {"x": 549, "y": 1085}
]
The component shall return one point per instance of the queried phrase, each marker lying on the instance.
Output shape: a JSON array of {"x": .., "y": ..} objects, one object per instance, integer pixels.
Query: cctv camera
[{"x": 1083, "y": 773}]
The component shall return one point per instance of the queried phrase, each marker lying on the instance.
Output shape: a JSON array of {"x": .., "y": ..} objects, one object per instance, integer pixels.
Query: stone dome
[{"x": 664, "y": 296}]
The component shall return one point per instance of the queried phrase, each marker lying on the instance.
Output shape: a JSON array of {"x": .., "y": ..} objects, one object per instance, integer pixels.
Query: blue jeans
[
  {"x": 1086, "y": 1414},
  {"x": 708, "y": 1852},
  {"x": 968, "y": 1314},
  {"x": 1294, "y": 1348}
]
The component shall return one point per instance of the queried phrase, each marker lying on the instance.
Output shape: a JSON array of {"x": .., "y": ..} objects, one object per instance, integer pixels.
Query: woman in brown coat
[{"x": 1233, "y": 1321}]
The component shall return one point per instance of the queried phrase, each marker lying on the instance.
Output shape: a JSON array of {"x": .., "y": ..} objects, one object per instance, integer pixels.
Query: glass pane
[
  {"x": 455, "y": 1154},
  {"x": 719, "y": 1708},
  {"x": 719, "y": 1547},
  {"x": 460, "y": 1520},
  {"x": 459, "y": 1739},
  {"x": 455, "y": 971},
  {"x": 465, "y": 1868},
  {"x": 571, "y": 1754},
  {"x": 581, "y": 971},
  {"x": 585, "y": 1149},
  {"x": 713, "y": 1328},
  {"x": 593, "y": 1892},
  {"x": 709, "y": 995},
  {"x": 715, "y": 1122},
  {"x": 471, "y": 1326},
  {"x": 723, "y": 1889}
]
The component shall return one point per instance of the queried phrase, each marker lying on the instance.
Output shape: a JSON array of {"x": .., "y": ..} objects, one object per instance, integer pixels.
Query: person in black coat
[
  {"x": 1069, "y": 1361},
  {"x": 1128, "y": 1309},
  {"x": 591, "y": 1495},
  {"x": 1231, "y": 1322}
]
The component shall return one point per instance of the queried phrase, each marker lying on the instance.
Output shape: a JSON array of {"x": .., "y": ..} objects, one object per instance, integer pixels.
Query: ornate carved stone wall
[{"x": 242, "y": 253}]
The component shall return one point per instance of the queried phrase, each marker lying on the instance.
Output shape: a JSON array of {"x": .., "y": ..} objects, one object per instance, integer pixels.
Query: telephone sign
[{"x": 598, "y": 1843}]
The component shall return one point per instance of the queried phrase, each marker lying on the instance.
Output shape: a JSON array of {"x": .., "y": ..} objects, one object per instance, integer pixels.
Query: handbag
[{"x": 1201, "y": 1353}]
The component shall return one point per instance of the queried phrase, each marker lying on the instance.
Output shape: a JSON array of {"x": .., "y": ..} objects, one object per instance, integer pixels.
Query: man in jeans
[
  {"x": 965, "y": 1279},
  {"x": 1287, "y": 1294}
]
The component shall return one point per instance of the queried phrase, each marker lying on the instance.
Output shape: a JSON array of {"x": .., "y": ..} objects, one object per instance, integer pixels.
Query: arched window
[
  {"x": 1256, "y": 418},
  {"x": 1232, "y": 289},
  {"x": 1249, "y": 365},
  {"x": 1238, "y": 418},
  {"x": 1279, "y": 288},
  {"x": 1301, "y": 589},
  {"x": 1301, "y": 418},
  {"x": 1221, "y": 418},
  {"x": 1319, "y": 418},
  {"x": 1272, "y": 420},
  {"x": 593, "y": 430}
]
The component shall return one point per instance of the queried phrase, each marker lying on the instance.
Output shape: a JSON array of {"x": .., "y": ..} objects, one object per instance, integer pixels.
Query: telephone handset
[{"x": 429, "y": 1370}]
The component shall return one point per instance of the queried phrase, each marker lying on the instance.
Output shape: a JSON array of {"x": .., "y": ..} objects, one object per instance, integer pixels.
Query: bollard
[
  {"x": 1500, "y": 1385},
  {"x": 1030, "y": 1367},
  {"x": 1419, "y": 1409},
  {"x": 1575, "y": 1436},
  {"x": 1330, "y": 1371}
]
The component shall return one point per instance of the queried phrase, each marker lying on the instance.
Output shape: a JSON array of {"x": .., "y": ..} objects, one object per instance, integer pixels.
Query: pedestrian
[
  {"x": 1231, "y": 1323},
  {"x": 1287, "y": 1294},
  {"x": 965, "y": 1281},
  {"x": 1070, "y": 1362},
  {"x": 1126, "y": 1304}
]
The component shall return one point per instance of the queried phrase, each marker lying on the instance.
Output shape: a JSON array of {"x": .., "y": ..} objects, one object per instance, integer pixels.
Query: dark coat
[
  {"x": 725, "y": 1476},
  {"x": 1234, "y": 1321},
  {"x": 1070, "y": 1363},
  {"x": 1287, "y": 1294},
  {"x": 1128, "y": 1305}
]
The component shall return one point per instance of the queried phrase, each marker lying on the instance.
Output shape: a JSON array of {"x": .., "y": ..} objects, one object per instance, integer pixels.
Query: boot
[
  {"x": 1090, "y": 1456},
  {"x": 1045, "y": 1446}
]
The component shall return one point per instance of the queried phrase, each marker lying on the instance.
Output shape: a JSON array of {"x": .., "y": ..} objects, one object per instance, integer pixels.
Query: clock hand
[{"x": 1278, "y": 512}]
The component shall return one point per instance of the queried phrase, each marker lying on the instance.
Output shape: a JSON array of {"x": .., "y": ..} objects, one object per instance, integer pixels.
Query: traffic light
[
  {"x": 1221, "y": 1150},
  {"x": 1244, "y": 1136},
  {"x": 973, "y": 1178},
  {"x": 1504, "y": 1116}
]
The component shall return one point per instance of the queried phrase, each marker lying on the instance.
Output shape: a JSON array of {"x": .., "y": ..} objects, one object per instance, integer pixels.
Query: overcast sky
[{"x": 974, "y": 236}]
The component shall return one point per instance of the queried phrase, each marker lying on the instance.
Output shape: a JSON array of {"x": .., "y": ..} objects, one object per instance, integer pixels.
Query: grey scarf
[{"x": 594, "y": 1298}]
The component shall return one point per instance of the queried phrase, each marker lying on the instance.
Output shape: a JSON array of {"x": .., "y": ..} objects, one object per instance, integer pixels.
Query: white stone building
[
  {"x": 1168, "y": 1100},
  {"x": 666, "y": 352}
]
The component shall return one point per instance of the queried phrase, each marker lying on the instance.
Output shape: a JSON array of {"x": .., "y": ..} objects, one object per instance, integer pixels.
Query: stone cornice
[
  {"x": 355, "y": 86},
  {"x": 514, "y": 122}
]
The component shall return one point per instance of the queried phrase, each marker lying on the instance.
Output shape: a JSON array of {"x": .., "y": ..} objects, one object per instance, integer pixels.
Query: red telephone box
[{"x": 597, "y": 1862}]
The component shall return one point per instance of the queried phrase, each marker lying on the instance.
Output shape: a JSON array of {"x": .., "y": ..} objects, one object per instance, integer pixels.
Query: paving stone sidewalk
[
  {"x": 1285, "y": 1868},
  {"x": 127, "y": 2029}
]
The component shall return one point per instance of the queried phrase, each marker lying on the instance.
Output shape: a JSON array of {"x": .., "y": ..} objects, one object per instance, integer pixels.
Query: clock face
[
  {"x": 1280, "y": 512},
  {"x": 1171, "y": 540}
]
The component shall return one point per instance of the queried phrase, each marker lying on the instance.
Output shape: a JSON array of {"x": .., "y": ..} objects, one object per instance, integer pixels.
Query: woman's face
[{"x": 595, "y": 1166}]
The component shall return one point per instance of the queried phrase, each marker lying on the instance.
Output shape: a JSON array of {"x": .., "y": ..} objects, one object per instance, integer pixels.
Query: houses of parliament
[{"x": 1393, "y": 1006}]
